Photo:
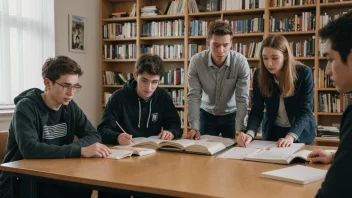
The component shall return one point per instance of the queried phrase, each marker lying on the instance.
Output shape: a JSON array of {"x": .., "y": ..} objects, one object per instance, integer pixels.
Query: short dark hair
[
  {"x": 339, "y": 33},
  {"x": 150, "y": 63},
  {"x": 219, "y": 28},
  {"x": 53, "y": 68}
]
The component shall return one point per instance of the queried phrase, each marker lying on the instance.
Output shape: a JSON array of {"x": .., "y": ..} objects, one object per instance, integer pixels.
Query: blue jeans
[{"x": 214, "y": 125}]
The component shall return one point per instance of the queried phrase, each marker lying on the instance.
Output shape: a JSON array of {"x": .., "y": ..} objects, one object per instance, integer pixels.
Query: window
[{"x": 26, "y": 41}]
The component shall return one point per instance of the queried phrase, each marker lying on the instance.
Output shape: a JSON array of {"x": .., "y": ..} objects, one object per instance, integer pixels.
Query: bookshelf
[{"x": 267, "y": 13}]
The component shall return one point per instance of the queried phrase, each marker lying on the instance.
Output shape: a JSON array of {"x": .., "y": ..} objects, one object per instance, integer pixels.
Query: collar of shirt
[{"x": 210, "y": 61}]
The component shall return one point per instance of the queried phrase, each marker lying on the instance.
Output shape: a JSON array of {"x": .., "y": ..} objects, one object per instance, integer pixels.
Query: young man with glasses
[
  {"x": 140, "y": 107},
  {"x": 44, "y": 125}
]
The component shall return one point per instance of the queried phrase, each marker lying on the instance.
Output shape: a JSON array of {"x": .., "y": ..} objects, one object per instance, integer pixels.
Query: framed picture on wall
[{"x": 77, "y": 33}]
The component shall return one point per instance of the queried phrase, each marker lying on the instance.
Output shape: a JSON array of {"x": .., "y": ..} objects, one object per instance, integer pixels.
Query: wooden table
[{"x": 167, "y": 173}]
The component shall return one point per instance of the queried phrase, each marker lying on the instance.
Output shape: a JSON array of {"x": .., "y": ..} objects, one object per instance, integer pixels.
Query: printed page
[
  {"x": 261, "y": 144},
  {"x": 183, "y": 142},
  {"x": 287, "y": 150},
  {"x": 206, "y": 147},
  {"x": 303, "y": 154},
  {"x": 226, "y": 141},
  {"x": 139, "y": 140},
  {"x": 269, "y": 155},
  {"x": 143, "y": 151},
  {"x": 118, "y": 154},
  {"x": 209, "y": 138},
  {"x": 238, "y": 153}
]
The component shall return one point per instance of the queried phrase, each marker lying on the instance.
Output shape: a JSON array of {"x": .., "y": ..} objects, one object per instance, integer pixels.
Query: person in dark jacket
[
  {"x": 338, "y": 50},
  {"x": 44, "y": 125},
  {"x": 285, "y": 87},
  {"x": 141, "y": 108}
]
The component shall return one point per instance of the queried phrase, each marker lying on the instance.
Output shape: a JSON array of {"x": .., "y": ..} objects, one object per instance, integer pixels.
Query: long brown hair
[{"x": 288, "y": 71}]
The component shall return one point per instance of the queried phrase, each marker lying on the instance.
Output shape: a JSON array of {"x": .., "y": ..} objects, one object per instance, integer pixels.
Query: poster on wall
[{"x": 77, "y": 33}]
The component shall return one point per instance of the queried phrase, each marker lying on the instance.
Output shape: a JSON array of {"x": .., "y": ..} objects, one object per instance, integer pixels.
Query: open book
[
  {"x": 277, "y": 157},
  {"x": 118, "y": 152},
  {"x": 207, "y": 145},
  {"x": 297, "y": 174},
  {"x": 266, "y": 151}
]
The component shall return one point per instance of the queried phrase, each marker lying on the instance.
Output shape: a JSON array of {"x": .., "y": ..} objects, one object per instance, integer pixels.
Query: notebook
[{"x": 296, "y": 174}]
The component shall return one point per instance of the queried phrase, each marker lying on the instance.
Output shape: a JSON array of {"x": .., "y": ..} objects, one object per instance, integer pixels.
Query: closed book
[{"x": 296, "y": 174}]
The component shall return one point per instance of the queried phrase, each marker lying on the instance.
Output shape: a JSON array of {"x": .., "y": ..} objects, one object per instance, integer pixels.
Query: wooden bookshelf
[
  {"x": 127, "y": 65},
  {"x": 162, "y": 38},
  {"x": 297, "y": 7}
]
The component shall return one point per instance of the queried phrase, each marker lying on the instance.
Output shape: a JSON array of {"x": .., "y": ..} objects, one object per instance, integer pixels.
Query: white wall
[
  {"x": 88, "y": 97},
  {"x": 5, "y": 122}
]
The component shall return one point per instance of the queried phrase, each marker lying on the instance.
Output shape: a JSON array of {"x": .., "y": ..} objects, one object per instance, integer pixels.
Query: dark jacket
[
  {"x": 138, "y": 117},
  {"x": 299, "y": 107},
  {"x": 337, "y": 180},
  {"x": 25, "y": 139}
]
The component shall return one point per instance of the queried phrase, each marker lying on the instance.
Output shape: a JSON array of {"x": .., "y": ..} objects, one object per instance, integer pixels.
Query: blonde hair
[{"x": 288, "y": 71}]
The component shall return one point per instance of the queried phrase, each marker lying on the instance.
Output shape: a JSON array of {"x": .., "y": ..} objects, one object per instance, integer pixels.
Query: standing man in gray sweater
[{"x": 218, "y": 82}]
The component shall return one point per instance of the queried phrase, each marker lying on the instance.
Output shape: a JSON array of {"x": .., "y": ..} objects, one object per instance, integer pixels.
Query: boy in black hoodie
[
  {"x": 338, "y": 51},
  {"x": 44, "y": 125},
  {"x": 141, "y": 107}
]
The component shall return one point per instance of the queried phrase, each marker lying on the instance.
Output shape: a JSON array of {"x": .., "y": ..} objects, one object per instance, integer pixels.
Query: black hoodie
[
  {"x": 138, "y": 117},
  {"x": 337, "y": 182},
  {"x": 26, "y": 141}
]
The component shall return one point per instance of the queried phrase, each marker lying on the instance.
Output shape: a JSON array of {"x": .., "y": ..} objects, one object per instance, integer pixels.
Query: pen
[{"x": 122, "y": 130}]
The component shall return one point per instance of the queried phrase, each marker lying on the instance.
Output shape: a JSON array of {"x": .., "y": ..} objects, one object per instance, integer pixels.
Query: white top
[{"x": 281, "y": 118}]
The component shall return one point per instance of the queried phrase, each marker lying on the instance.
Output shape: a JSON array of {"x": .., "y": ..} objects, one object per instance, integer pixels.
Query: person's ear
[
  {"x": 349, "y": 60},
  {"x": 135, "y": 75},
  {"x": 47, "y": 83}
]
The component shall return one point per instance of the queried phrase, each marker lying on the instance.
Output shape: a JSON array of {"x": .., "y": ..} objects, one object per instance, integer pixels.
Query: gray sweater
[{"x": 218, "y": 91}]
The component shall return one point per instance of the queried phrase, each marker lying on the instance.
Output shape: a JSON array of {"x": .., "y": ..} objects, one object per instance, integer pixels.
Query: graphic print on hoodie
[
  {"x": 138, "y": 117},
  {"x": 55, "y": 130}
]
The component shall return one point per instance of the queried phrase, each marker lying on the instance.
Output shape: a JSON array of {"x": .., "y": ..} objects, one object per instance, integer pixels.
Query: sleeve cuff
[
  {"x": 76, "y": 152},
  {"x": 293, "y": 135},
  {"x": 195, "y": 125},
  {"x": 251, "y": 133}
]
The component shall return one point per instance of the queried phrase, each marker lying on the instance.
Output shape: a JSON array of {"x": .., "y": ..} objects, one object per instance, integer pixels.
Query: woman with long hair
[{"x": 285, "y": 88}]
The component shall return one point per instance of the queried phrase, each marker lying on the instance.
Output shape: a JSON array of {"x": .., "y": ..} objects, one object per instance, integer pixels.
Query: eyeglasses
[{"x": 75, "y": 88}]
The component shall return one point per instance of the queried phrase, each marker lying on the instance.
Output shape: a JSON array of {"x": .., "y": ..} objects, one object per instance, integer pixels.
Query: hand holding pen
[
  {"x": 243, "y": 139},
  {"x": 124, "y": 138}
]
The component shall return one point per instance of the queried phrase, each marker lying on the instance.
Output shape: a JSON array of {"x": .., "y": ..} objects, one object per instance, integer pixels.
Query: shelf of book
[
  {"x": 122, "y": 19},
  {"x": 113, "y": 86},
  {"x": 173, "y": 60},
  {"x": 172, "y": 86},
  {"x": 293, "y": 33},
  {"x": 266, "y": 13},
  {"x": 297, "y": 7},
  {"x": 158, "y": 17},
  {"x": 345, "y": 4},
  {"x": 327, "y": 89},
  {"x": 328, "y": 114},
  {"x": 162, "y": 38},
  {"x": 119, "y": 39},
  {"x": 251, "y": 34},
  {"x": 119, "y": 60}
]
